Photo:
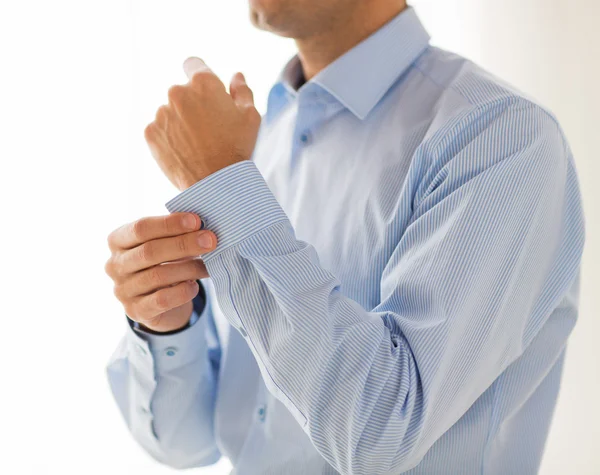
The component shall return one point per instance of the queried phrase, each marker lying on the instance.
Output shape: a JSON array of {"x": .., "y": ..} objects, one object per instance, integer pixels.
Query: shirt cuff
[
  {"x": 234, "y": 203},
  {"x": 170, "y": 350}
]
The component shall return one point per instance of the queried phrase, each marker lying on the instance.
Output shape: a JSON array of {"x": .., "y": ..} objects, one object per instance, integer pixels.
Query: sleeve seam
[{"x": 253, "y": 346}]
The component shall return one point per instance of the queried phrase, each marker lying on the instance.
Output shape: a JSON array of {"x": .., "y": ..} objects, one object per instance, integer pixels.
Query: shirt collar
[{"x": 360, "y": 77}]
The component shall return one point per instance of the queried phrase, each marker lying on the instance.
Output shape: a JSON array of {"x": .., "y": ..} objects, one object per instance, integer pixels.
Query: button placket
[
  {"x": 260, "y": 412},
  {"x": 305, "y": 137}
]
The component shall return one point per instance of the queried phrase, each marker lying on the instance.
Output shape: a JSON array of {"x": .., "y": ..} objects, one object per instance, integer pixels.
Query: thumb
[
  {"x": 192, "y": 65},
  {"x": 240, "y": 92}
]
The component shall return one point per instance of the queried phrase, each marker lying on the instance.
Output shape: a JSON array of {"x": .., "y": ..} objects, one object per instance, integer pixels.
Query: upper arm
[{"x": 494, "y": 243}]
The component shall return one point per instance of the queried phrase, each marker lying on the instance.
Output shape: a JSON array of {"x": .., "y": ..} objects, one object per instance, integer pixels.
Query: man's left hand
[{"x": 203, "y": 128}]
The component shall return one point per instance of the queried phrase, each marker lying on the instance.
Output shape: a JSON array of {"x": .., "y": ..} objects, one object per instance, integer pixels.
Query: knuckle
[
  {"x": 149, "y": 131},
  {"x": 137, "y": 229},
  {"x": 205, "y": 80},
  {"x": 168, "y": 223},
  {"x": 109, "y": 267},
  {"x": 155, "y": 276},
  {"x": 182, "y": 244},
  {"x": 161, "y": 113},
  {"x": 185, "y": 293},
  {"x": 113, "y": 267},
  {"x": 199, "y": 78},
  {"x": 161, "y": 301},
  {"x": 175, "y": 94},
  {"x": 146, "y": 252},
  {"x": 110, "y": 240}
]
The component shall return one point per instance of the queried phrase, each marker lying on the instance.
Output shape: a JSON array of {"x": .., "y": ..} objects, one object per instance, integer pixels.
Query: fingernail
[
  {"x": 205, "y": 240},
  {"x": 189, "y": 222},
  {"x": 193, "y": 59}
]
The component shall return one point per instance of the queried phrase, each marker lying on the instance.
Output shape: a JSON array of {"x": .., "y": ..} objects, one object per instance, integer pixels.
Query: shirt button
[
  {"x": 243, "y": 332},
  {"x": 171, "y": 351},
  {"x": 305, "y": 137},
  {"x": 262, "y": 411}
]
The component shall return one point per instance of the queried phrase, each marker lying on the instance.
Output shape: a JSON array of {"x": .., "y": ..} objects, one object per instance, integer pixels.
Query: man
[{"x": 393, "y": 275}]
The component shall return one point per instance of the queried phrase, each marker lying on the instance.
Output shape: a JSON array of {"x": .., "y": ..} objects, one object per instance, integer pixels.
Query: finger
[
  {"x": 240, "y": 92},
  {"x": 161, "y": 276},
  {"x": 201, "y": 78},
  {"x": 193, "y": 64},
  {"x": 157, "y": 251},
  {"x": 137, "y": 232},
  {"x": 183, "y": 259},
  {"x": 178, "y": 96},
  {"x": 148, "y": 307},
  {"x": 162, "y": 117}
]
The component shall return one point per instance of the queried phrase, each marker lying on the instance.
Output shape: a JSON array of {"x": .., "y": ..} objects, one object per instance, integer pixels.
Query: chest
[{"x": 345, "y": 186}]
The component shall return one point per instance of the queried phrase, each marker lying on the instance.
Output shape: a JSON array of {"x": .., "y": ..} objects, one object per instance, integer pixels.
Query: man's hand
[
  {"x": 203, "y": 128},
  {"x": 154, "y": 267}
]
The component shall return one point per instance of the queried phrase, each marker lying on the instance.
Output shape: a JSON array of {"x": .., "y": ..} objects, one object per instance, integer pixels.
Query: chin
[
  {"x": 281, "y": 17},
  {"x": 264, "y": 7}
]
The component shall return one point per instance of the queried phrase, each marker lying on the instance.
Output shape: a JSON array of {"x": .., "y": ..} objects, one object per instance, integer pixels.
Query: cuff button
[{"x": 261, "y": 412}]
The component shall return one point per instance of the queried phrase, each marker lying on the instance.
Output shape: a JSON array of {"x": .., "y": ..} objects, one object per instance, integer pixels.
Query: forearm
[
  {"x": 313, "y": 345},
  {"x": 164, "y": 386},
  {"x": 316, "y": 347},
  {"x": 375, "y": 388}
]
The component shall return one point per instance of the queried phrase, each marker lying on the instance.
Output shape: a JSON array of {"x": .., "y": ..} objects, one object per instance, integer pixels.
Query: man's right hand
[{"x": 154, "y": 267}]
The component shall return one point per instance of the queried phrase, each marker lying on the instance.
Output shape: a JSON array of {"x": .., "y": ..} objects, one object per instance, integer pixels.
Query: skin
[
  {"x": 204, "y": 128},
  {"x": 323, "y": 29},
  {"x": 154, "y": 267}
]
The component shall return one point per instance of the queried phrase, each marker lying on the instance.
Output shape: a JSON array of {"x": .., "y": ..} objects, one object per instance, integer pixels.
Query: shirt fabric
[{"x": 396, "y": 277}]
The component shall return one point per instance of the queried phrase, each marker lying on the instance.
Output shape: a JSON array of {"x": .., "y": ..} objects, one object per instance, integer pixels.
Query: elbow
[
  {"x": 395, "y": 448},
  {"x": 381, "y": 461}
]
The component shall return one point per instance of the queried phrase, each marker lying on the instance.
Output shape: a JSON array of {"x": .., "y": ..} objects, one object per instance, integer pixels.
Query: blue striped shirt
[{"x": 395, "y": 282}]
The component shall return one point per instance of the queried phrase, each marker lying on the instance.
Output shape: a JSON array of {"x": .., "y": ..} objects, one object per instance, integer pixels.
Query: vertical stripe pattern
[{"x": 395, "y": 281}]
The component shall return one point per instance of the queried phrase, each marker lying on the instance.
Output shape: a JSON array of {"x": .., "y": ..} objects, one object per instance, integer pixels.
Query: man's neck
[{"x": 318, "y": 51}]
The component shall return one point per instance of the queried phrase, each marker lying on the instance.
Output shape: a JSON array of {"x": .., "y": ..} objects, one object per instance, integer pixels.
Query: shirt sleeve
[
  {"x": 164, "y": 385},
  {"x": 493, "y": 243}
]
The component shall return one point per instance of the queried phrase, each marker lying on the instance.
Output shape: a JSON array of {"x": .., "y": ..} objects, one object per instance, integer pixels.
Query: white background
[{"x": 79, "y": 80}]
